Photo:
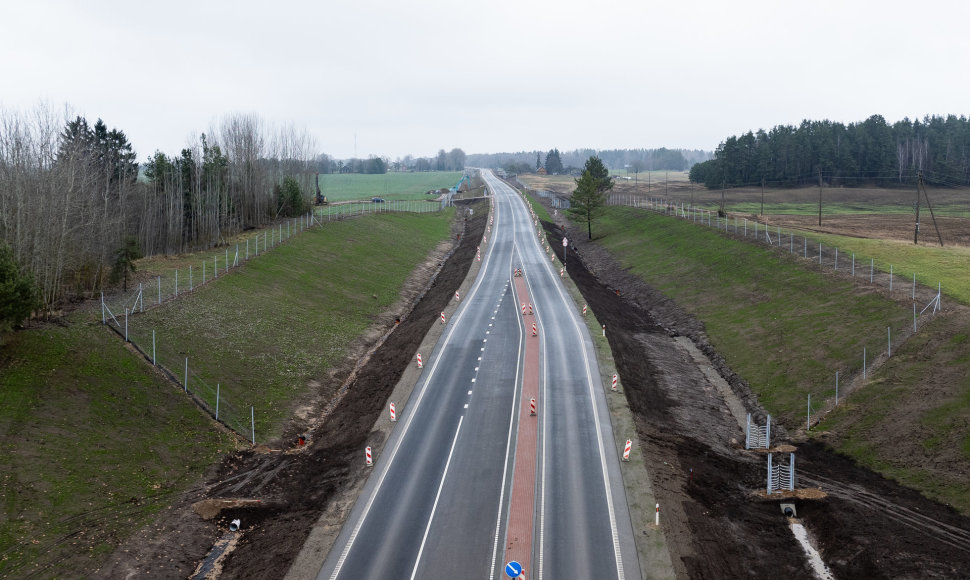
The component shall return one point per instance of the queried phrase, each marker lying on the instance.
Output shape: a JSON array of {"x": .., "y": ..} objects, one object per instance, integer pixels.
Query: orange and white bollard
[
  {"x": 553, "y": 257},
  {"x": 584, "y": 310},
  {"x": 420, "y": 363},
  {"x": 457, "y": 298},
  {"x": 393, "y": 413},
  {"x": 479, "y": 255},
  {"x": 614, "y": 382},
  {"x": 368, "y": 457},
  {"x": 532, "y": 407},
  {"x": 562, "y": 272},
  {"x": 604, "y": 329},
  {"x": 626, "y": 450},
  {"x": 535, "y": 332},
  {"x": 523, "y": 309},
  {"x": 442, "y": 318}
]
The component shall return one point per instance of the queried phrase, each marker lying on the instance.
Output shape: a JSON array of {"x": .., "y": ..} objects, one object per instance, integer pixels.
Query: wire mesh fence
[
  {"x": 926, "y": 301},
  {"x": 119, "y": 311}
]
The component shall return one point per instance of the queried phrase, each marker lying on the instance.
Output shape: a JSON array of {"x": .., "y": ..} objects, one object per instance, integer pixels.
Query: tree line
[
  {"x": 74, "y": 212},
  {"x": 573, "y": 162},
  {"x": 872, "y": 151},
  {"x": 453, "y": 160}
]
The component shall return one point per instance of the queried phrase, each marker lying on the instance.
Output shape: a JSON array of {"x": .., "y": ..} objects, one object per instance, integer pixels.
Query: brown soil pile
[{"x": 716, "y": 526}]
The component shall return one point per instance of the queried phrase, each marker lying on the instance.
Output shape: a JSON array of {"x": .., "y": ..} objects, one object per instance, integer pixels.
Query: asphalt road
[{"x": 436, "y": 504}]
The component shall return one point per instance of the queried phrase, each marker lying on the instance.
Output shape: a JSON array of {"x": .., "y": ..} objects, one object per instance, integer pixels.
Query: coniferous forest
[{"x": 872, "y": 152}]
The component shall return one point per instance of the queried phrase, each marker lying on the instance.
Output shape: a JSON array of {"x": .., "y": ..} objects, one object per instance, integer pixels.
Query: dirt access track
[{"x": 716, "y": 524}]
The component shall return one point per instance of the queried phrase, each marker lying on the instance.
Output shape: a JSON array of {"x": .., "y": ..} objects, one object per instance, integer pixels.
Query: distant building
[{"x": 541, "y": 171}]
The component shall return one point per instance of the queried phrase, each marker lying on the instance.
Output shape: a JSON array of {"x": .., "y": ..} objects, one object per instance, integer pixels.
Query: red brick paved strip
[{"x": 518, "y": 544}]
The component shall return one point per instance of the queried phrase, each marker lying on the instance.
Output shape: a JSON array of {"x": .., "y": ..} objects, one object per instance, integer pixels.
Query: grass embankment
[
  {"x": 264, "y": 332},
  {"x": 94, "y": 442},
  {"x": 786, "y": 329},
  {"x": 932, "y": 264},
  {"x": 390, "y": 186}
]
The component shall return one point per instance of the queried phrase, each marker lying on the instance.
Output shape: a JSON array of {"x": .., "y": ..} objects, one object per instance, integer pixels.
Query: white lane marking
[
  {"x": 479, "y": 358},
  {"x": 508, "y": 443},
  {"x": 557, "y": 284},
  {"x": 476, "y": 369},
  {"x": 437, "y": 496},
  {"x": 488, "y": 331},
  {"x": 466, "y": 405},
  {"x": 386, "y": 465},
  {"x": 473, "y": 380},
  {"x": 469, "y": 392}
]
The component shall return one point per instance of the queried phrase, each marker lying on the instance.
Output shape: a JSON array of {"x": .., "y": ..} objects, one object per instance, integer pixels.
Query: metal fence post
[
  {"x": 808, "y": 416},
  {"x": 252, "y": 418},
  {"x": 836, "y": 259},
  {"x": 185, "y": 385},
  {"x": 836, "y": 388},
  {"x": 871, "y": 268},
  {"x": 217, "y": 401},
  {"x": 159, "y": 289},
  {"x": 103, "y": 320},
  {"x": 889, "y": 337},
  {"x": 154, "y": 363},
  {"x": 126, "y": 324},
  {"x": 863, "y": 363},
  {"x": 890, "y": 278}
]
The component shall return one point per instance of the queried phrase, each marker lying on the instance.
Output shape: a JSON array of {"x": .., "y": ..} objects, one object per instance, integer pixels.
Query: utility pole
[
  {"x": 820, "y": 196},
  {"x": 722, "y": 213},
  {"x": 929, "y": 206},
  {"x": 665, "y": 183},
  {"x": 762, "y": 196},
  {"x": 918, "y": 183}
]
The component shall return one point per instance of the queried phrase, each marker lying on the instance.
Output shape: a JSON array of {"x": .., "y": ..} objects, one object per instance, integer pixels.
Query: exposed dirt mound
[
  {"x": 716, "y": 525},
  {"x": 294, "y": 487}
]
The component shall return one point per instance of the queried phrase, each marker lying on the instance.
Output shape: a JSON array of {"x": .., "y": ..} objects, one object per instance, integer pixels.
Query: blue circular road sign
[{"x": 513, "y": 569}]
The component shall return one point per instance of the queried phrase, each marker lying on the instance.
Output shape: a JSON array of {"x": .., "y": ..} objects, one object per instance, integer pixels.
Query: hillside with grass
[
  {"x": 95, "y": 440},
  {"x": 787, "y": 328}
]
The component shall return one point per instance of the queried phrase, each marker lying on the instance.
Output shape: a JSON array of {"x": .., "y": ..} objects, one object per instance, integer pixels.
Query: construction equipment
[{"x": 464, "y": 179}]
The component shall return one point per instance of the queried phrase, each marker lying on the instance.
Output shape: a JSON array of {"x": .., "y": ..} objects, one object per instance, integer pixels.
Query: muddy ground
[
  {"x": 717, "y": 526},
  {"x": 867, "y": 527}
]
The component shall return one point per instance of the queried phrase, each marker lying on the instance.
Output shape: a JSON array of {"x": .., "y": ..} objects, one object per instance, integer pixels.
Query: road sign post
[{"x": 513, "y": 569}]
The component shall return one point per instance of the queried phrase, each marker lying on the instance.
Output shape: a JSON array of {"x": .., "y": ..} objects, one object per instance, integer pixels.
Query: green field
[
  {"x": 93, "y": 444},
  {"x": 94, "y": 441},
  {"x": 786, "y": 328},
  {"x": 263, "y": 332},
  {"x": 391, "y": 186},
  {"x": 931, "y": 264},
  {"x": 764, "y": 312}
]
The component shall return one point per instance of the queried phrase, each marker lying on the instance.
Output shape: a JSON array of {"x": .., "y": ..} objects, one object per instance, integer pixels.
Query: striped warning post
[
  {"x": 479, "y": 255},
  {"x": 562, "y": 272},
  {"x": 393, "y": 413},
  {"x": 584, "y": 310},
  {"x": 553, "y": 258},
  {"x": 534, "y": 330},
  {"x": 442, "y": 318},
  {"x": 614, "y": 381},
  {"x": 523, "y": 309},
  {"x": 656, "y": 520},
  {"x": 604, "y": 329},
  {"x": 626, "y": 450},
  {"x": 420, "y": 363},
  {"x": 530, "y": 308},
  {"x": 368, "y": 457},
  {"x": 457, "y": 298},
  {"x": 532, "y": 407}
]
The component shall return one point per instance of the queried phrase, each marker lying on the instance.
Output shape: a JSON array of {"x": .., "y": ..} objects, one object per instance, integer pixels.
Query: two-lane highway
[{"x": 436, "y": 504}]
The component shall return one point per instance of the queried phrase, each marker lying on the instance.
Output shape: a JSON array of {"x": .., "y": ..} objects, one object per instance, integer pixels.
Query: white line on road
[{"x": 437, "y": 496}]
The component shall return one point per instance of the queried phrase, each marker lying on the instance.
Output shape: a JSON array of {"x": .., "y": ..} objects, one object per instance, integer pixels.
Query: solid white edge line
[
  {"x": 437, "y": 496},
  {"x": 560, "y": 289},
  {"x": 410, "y": 412}
]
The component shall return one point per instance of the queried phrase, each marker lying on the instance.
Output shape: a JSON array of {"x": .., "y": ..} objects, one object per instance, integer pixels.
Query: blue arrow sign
[{"x": 513, "y": 569}]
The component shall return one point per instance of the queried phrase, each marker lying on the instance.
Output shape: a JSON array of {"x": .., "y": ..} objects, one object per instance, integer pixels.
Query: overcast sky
[{"x": 411, "y": 77}]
